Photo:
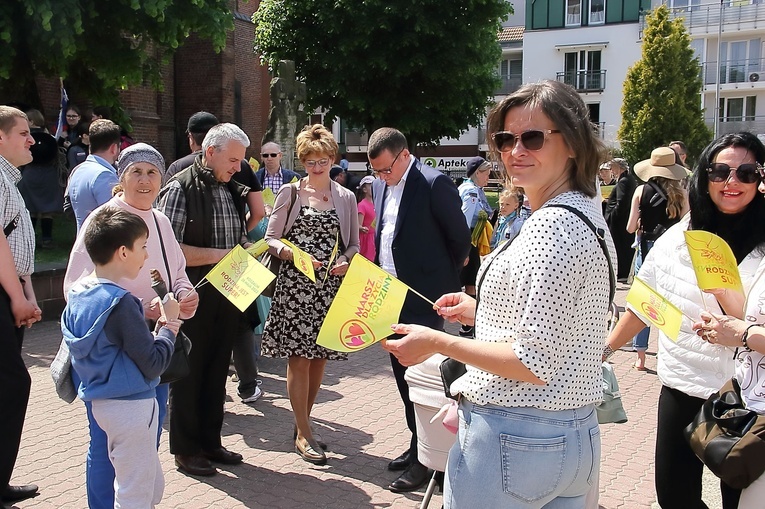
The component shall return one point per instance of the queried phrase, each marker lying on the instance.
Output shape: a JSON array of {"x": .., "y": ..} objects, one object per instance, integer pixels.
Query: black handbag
[
  {"x": 179, "y": 362},
  {"x": 728, "y": 438},
  {"x": 179, "y": 366},
  {"x": 452, "y": 369},
  {"x": 273, "y": 262}
]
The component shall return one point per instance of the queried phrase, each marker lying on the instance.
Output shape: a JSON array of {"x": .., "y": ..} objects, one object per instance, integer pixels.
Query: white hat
[{"x": 366, "y": 180}]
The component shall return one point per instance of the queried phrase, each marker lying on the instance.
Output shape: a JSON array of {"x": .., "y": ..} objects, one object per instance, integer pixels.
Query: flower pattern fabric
[{"x": 299, "y": 306}]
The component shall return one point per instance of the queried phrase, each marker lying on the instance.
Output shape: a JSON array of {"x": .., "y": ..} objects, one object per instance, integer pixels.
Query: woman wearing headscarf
[{"x": 139, "y": 168}]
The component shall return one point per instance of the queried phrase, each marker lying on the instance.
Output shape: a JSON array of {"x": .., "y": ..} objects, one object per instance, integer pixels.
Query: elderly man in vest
[{"x": 205, "y": 206}]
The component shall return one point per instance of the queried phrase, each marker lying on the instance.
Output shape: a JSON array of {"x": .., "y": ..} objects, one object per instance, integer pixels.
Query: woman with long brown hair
[{"x": 656, "y": 206}]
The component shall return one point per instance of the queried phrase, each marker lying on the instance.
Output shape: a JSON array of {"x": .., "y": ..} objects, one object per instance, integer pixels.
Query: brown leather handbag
[{"x": 728, "y": 438}]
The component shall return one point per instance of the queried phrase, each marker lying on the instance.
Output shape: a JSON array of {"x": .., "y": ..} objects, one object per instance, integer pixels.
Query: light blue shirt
[
  {"x": 473, "y": 201},
  {"x": 90, "y": 185}
]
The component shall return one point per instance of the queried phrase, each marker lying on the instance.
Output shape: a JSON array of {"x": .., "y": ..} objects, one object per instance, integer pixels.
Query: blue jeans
[
  {"x": 640, "y": 341},
  {"x": 522, "y": 457},
  {"x": 99, "y": 472}
]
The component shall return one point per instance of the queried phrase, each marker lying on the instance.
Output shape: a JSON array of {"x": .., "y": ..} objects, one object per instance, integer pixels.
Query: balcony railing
[
  {"x": 509, "y": 84},
  {"x": 584, "y": 81},
  {"x": 734, "y": 71},
  {"x": 707, "y": 17},
  {"x": 754, "y": 124}
]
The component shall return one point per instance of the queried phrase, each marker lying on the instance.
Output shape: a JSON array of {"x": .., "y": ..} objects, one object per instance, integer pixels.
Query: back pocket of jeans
[
  {"x": 531, "y": 467},
  {"x": 595, "y": 445}
]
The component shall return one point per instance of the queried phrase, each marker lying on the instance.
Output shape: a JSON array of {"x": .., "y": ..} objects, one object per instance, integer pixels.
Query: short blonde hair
[
  {"x": 315, "y": 139},
  {"x": 8, "y": 116}
]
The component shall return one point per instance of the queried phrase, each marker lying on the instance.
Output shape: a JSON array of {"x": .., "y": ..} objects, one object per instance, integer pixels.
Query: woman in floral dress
[{"x": 314, "y": 214}]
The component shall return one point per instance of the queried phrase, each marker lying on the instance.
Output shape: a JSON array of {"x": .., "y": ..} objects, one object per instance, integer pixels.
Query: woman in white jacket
[{"x": 724, "y": 200}]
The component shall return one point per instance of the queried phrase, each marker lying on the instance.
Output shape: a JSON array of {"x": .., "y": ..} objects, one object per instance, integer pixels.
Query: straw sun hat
[{"x": 661, "y": 164}]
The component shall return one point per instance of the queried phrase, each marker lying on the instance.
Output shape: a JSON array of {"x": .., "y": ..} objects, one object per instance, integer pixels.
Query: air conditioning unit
[{"x": 755, "y": 76}]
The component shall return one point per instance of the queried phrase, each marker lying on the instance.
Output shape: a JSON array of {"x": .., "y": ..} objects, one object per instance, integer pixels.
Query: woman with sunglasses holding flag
[
  {"x": 724, "y": 200},
  {"x": 528, "y": 433}
]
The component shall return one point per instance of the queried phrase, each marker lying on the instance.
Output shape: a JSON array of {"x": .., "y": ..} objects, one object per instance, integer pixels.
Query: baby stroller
[{"x": 434, "y": 440}]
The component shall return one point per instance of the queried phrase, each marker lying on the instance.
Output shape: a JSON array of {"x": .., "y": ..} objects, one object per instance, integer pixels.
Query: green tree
[
  {"x": 662, "y": 92},
  {"x": 99, "y": 47},
  {"x": 427, "y": 67}
]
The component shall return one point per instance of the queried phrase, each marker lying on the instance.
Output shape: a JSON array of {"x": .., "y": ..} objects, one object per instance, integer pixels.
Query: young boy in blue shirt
[{"x": 117, "y": 358}]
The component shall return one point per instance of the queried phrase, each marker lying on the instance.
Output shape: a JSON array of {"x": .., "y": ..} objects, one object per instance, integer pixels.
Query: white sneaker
[{"x": 252, "y": 398}]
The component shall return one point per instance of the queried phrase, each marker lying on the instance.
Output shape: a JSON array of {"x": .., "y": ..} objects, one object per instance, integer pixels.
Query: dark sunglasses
[
  {"x": 268, "y": 155},
  {"x": 533, "y": 139},
  {"x": 748, "y": 173}
]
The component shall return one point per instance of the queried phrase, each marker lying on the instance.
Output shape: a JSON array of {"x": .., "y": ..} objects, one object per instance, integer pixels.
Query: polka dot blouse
[{"x": 546, "y": 296}]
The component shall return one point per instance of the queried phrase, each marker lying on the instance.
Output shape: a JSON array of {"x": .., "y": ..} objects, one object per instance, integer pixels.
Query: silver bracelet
[{"x": 607, "y": 351}]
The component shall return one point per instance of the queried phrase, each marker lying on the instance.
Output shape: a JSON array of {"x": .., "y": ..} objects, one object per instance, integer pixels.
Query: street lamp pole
[{"x": 717, "y": 81}]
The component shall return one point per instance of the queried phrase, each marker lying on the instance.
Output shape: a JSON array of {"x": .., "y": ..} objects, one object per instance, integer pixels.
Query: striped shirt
[{"x": 22, "y": 238}]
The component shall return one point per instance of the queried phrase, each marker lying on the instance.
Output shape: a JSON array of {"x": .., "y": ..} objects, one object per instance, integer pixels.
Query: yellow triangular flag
[
  {"x": 239, "y": 277},
  {"x": 302, "y": 260},
  {"x": 331, "y": 258},
  {"x": 713, "y": 261},
  {"x": 658, "y": 310},
  {"x": 257, "y": 248},
  {"x": 268, "y": 197},
  {"x": 254, "y": 164},
  {"x": 368, "y": 302}
]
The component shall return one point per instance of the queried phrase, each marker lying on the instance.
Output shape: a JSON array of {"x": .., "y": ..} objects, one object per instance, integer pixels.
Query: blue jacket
[
  {"x": 287, "y": 175},
  {"x": 113, "y": 351}
]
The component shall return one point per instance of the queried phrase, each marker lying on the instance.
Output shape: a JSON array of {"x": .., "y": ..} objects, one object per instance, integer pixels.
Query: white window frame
[
  {"x": 573, "y": 20},
  {"x": 597, "y": 17}
]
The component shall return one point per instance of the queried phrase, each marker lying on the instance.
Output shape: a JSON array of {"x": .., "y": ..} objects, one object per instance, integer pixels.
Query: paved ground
[{"x": 358, "y": 414}]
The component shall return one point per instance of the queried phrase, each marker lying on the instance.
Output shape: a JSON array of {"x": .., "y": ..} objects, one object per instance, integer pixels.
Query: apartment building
[{"x": 727, "y": 38}]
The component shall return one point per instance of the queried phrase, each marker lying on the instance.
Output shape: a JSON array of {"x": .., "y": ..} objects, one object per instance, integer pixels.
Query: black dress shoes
[
  {"x": 401, "y": 462},
  {"x": 223, "y": 455},
  {"x": 16, "y": 493},
  {"x": 413, "y": 478},
  {"x": 195, "y": 465}
]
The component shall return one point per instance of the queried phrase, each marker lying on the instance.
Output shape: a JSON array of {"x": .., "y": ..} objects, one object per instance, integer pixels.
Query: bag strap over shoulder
[
  {"x": 601, "y": 236},
  {"x": 12, "y": 225},
  {"x": 164, "y": 253}
]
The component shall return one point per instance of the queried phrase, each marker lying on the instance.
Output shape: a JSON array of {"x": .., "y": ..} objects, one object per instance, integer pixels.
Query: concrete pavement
[{"x": 358, "y": 414}]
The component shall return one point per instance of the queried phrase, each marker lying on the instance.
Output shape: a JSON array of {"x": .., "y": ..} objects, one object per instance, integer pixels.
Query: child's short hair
[{"x": 109, "y": 229}]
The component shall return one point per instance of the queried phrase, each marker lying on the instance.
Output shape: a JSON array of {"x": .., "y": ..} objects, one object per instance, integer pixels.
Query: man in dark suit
[
  {"x": 423, "y": 240},
  {"x": 617, "y": 212}
]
